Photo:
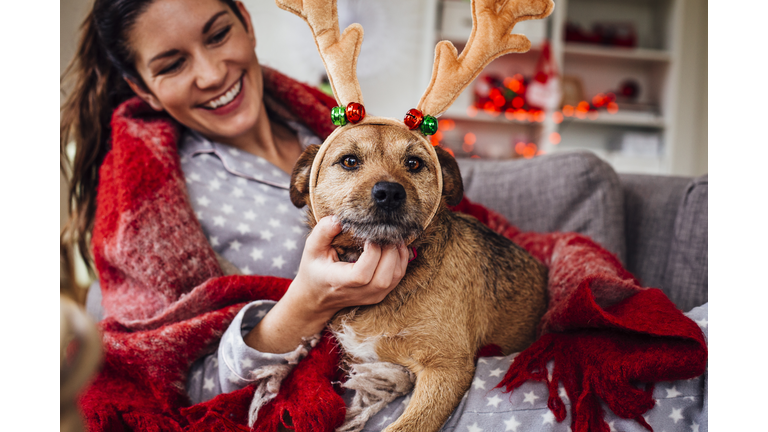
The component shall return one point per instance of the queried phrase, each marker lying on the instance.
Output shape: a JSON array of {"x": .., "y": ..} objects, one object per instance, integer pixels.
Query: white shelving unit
[
  {"x": 397, "y": 54},
  {"x": 614, "y": 137}
]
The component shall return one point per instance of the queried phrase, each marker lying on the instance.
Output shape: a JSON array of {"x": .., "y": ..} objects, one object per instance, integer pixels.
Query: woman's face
[{"x": 199, "y": 65}]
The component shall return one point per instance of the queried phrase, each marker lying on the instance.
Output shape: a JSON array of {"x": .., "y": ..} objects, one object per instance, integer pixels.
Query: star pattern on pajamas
[{"x": 238, "y": 212}]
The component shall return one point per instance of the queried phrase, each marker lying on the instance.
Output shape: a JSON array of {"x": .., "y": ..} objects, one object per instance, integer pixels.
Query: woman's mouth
[{"x": 226, "y": 98}]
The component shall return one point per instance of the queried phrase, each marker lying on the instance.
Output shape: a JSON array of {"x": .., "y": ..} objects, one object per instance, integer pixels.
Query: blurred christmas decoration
[
  {"x": 517, "y": 97},
  {"x": 617, "y": 34},
  {"x": 629, "y": 89},
  {"x": 544, "y": 90},
  {"x": 495, "y": 95},
  {"x": 573, "y": 90}
]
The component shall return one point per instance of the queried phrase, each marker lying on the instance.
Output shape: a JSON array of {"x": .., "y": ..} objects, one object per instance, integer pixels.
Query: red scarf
[{"x": 167, "y": 303}]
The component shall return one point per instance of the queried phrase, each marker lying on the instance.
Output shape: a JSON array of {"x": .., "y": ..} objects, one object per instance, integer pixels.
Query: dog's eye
[
  {"x": 350, "y": 162},
  {"x": 414, "y": 164}
]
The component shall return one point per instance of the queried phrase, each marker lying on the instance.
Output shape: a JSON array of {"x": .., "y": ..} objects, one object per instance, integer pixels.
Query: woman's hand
[
  {"x": 328, "y": 285},
  {"x": 324, "y": 285}
]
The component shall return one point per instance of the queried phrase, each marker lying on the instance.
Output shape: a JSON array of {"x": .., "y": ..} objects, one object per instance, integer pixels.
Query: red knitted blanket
[{"x": 167, "y": 304}]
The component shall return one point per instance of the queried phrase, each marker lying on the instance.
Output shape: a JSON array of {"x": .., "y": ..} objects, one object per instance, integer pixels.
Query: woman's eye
[
  {"x": 414, "y": 164},
  {"x": 350, "y": 162},
  {"x": 173, "y": 67},
  {"x": 220, "y": 35}
]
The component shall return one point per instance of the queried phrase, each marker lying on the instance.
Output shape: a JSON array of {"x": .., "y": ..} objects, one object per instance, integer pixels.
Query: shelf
[
  {"x": 622, "y": 163},
  {"x": 639, "y": 54},
  {"x": 457, "y": 113},
  {"x": 635, "y": 164},
  {"x": 622, "y": 118}
]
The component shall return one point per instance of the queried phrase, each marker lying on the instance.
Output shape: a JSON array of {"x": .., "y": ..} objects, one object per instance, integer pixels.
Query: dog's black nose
[{"x": 388, "y": 195}]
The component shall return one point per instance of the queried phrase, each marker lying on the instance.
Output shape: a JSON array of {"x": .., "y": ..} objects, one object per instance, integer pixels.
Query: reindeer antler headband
[{"x": 491, "y": 37}]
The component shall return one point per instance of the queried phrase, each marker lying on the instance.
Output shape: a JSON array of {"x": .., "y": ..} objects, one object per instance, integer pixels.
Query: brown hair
[{"x": 97, "y": 76}]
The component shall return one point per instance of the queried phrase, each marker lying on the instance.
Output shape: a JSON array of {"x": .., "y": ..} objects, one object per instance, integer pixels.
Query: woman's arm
[{"x": 323, "y": 286}]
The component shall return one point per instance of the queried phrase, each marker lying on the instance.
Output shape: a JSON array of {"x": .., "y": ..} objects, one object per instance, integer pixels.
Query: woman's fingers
[
  {"x": 387, "y": 269},
  {"x": 404, "y": 255},
  {"x": 319, "y": 240},
  {"x": 358, "y": 274}
]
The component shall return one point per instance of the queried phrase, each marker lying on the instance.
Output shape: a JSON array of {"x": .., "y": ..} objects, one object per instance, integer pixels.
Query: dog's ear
[
  {"x": 453, "y": 187},
  {"x": 300, "y": 176}
]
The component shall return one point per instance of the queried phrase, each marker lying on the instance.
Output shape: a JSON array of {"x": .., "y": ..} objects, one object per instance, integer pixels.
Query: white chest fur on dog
[{"x": 364, "y": 349}]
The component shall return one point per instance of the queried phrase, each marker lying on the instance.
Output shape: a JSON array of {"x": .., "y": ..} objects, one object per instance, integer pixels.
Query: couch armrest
[{"x": 666, "y": 235}]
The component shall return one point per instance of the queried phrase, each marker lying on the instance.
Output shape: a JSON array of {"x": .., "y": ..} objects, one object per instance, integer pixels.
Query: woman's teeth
[{"x": 226, "y": 97}]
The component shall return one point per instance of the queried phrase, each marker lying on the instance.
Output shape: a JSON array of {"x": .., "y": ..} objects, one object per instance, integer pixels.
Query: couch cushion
[{"x": 574, "y": 191}]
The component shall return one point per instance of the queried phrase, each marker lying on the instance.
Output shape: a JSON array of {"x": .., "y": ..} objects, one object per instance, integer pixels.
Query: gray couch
[{"x": 656, "y": 225}]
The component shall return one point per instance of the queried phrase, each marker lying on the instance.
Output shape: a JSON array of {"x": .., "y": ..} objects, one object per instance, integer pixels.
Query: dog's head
[{"x": 383, "y": 182}]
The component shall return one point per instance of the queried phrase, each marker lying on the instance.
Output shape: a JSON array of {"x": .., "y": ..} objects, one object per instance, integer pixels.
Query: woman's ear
[
  {"x": 248, "y": 22},
  {"x": 299, "y": 190},
  {"x": 144, "y": 94},
  {"x": 453, "y": 186}
]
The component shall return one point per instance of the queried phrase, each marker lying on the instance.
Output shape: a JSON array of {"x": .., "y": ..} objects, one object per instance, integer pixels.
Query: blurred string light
[
  {"x": 469, "y": 142},
  {"x": 528, "y": 150}
]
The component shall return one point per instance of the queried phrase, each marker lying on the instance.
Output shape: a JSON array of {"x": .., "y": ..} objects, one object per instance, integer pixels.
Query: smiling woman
[{"x": 180, "y": 78}]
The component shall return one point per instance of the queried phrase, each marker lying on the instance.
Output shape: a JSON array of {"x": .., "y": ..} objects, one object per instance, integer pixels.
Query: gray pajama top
[{"x": 242, "y": 203}]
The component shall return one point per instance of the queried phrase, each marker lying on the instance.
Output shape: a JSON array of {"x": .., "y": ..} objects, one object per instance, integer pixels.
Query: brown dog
[{"x": 468, "y": 286}]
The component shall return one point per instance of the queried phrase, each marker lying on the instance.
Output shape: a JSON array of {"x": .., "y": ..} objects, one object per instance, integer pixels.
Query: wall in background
[{"x": 692, "y": 147}]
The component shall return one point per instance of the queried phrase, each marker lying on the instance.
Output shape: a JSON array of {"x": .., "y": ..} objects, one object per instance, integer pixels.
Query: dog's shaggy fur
[{"x": 468, "y": 286}]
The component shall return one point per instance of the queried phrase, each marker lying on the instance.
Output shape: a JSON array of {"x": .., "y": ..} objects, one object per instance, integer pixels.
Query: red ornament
[
  {"x": 355, "y": 112},
  {"x": 413, "y": 118}
]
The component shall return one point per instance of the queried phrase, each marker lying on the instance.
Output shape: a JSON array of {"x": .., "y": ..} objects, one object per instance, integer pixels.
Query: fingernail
[
  {"x": 335, "y": 219},
  {"x": 414, "y": 255}
]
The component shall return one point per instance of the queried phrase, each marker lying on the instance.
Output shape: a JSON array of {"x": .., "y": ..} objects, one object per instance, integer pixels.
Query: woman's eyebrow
[
  {"x": 169, "y": 53},
  {"x": 210, "y": 22},
  {"x": 173, "y": 52}
]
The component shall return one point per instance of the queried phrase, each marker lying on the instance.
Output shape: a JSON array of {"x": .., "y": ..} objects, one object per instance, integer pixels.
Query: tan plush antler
[
  {"x": 338, "y": 51},
  {"x": 492, "y": 23}
]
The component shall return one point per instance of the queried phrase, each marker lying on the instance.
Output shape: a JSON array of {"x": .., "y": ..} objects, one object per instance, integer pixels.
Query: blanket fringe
[
  {"x": 375, "y": 385},
  {"x": 272, "y": 376}
]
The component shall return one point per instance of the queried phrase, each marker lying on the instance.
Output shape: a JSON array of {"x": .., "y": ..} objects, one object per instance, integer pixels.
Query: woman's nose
[{"x": 211, "y": 72}]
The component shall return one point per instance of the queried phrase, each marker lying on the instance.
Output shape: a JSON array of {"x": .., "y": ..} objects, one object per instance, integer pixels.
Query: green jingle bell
[
  {"x": 429, "y": 125},
  {"x": 339, "y": 116}
]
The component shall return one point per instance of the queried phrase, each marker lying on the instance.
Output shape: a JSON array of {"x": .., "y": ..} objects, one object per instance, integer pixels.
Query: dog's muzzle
[{"x": 384, "y": 219}]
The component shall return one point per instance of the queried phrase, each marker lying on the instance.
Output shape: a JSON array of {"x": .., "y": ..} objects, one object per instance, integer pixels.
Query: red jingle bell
[
  {"x": 413, "y": 118},
  {"x": 355, "y": 112}
]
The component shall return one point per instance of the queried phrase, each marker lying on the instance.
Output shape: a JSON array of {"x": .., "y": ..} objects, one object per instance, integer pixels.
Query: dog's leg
[
  {"x": 375, "y": 385},
  {"x": 438, "y": 392}
]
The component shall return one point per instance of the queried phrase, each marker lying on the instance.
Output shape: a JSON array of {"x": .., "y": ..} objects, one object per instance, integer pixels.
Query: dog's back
[{"x": 509, "y": 284}]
